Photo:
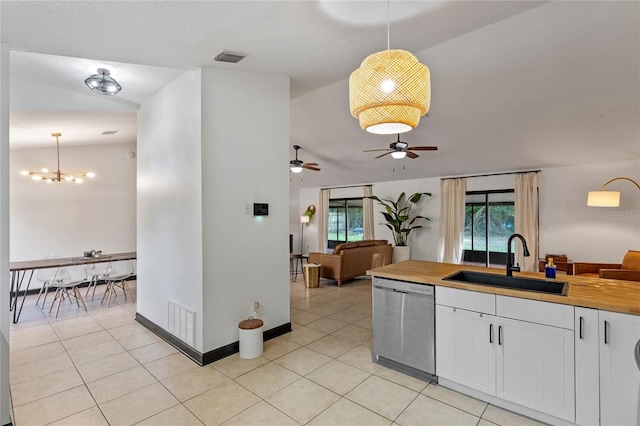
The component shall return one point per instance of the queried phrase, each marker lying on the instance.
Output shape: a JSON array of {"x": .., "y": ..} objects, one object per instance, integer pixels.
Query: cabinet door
[
  {"x": 619, "y": 374},
  {"x": 535, "y": 367},
  {"x": 465, "y": 352},
  {"x": 587, "y": 367}
]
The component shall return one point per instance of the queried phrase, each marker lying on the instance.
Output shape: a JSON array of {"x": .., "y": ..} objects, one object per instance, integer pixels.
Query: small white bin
[{"x": 251, "y": 339}]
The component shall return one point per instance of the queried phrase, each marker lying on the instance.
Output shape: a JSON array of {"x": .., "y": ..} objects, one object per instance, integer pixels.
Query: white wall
[
  {"x": 66, "y": 219},
  {"x": 245, "y": 149},
  {"x": 169, "y": 202},
  {"x": 567, "y": 225},
  {"x": 5, "y": 394}
]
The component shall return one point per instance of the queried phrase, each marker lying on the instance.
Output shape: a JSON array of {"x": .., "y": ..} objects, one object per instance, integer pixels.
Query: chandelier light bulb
[
  {"x": 49, "y": 180},
  {"x": 36, "y": 177},
  {"x": 79, "y": 180},
  {"x": 91, "y": 175},
  {"x": 24, "y": 173}
]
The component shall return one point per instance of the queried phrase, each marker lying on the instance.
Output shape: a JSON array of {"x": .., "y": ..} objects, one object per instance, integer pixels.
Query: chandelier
[
  {"x": 48, "y": 176},
  {"x": 103, "y": 83},
  {"x": 390, "y": 91}
]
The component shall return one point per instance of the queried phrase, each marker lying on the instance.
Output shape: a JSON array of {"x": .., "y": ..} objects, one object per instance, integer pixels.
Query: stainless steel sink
[{"x": 516, "y": 283}]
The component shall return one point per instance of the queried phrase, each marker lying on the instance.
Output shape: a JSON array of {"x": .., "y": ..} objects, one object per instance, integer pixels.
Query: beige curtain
[
  {"x": 451, "y": 231},
  {"x": 323, "y": 205},
  {"x": 526, "y": 218},
  {"x": 367, "y": 214}
]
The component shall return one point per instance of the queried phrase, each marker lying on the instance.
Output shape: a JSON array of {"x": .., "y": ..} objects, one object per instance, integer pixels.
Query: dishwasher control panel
[{"x": 404, "y": 286}]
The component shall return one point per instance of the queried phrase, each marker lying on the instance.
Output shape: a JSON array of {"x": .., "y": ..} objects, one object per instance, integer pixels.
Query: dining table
[{"x": 19, "y": 270}]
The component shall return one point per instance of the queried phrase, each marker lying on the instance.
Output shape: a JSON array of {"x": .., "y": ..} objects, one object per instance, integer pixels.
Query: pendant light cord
[{"x": 388, "y": 23}]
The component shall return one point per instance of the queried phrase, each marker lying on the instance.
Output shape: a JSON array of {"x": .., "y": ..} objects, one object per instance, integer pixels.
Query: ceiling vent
[
  {"x": 109, "y": 132},
  {"x": 231, "y": 57}
]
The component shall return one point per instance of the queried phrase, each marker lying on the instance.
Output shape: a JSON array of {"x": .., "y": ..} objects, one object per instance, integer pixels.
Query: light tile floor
[{"x": 101, "y": 367}]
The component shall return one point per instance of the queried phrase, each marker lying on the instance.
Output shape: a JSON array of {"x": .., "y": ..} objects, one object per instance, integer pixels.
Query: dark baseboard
[{"x": 211, "y": 356}]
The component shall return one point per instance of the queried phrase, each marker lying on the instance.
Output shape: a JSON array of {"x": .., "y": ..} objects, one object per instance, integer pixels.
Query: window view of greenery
[
  {"x": 345, "y": 221},
  {"x": 489, "y": 221}
]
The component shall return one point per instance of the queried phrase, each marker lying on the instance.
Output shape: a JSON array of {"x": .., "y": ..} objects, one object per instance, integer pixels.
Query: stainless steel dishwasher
[{"x": 404, "y": 325}]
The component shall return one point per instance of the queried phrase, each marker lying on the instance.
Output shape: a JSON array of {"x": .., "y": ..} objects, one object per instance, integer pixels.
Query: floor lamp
[{"x": 303, "y": 220}]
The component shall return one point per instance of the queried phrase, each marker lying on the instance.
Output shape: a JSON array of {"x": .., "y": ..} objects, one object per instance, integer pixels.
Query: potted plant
[{"x": 399, "y": 221}]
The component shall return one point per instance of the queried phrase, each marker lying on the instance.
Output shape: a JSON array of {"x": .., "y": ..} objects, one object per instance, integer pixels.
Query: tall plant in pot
[{"x": 399, "y": 220}]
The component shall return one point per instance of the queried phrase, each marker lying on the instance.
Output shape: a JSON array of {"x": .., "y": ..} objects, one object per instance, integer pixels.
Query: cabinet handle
[
  {"x": 581, "y": 322},
  {"x": 606, "y": 335},
  {"x": 499, "y": 335},
  {"x": 490, "y": 333}
]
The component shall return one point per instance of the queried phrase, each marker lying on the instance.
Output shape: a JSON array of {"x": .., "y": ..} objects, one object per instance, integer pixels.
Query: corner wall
[
  {"x": 245, "y": 149},
  {"x": 169, "y": 215}
]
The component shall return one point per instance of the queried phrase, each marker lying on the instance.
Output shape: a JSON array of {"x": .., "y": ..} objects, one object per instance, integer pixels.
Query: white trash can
[{"x": 251, "y": 339}]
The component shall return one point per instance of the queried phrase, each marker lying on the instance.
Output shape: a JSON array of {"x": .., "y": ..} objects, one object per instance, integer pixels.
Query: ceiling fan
[
  {"x": 296, "y": 165},
  {"x": 401, "y": 149}
]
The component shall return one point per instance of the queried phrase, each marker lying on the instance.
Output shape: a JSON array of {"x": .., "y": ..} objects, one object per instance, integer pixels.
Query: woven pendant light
[{"x": 390, "y": 92}]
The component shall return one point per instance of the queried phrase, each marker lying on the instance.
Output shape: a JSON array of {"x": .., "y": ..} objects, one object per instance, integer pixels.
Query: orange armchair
[{"x": 629, "y": 269}]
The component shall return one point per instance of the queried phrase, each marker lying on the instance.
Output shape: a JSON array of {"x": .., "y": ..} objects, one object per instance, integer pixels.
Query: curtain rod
[
  {"x": 493, "y": 174},
  {"x": 347, "y": 186}
]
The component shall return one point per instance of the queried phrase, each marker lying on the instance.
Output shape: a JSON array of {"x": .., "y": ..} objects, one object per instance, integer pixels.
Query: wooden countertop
[{"x": 610, "y": 295}]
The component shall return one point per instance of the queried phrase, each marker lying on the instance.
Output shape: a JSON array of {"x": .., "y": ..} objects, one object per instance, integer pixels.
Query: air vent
[
  {"x": 231, "y": 57},
  {"x": 109, "y": 132}
]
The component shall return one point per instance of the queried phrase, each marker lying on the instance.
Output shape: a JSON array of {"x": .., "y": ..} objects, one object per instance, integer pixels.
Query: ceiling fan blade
[
  {"x": 308, "y": 167},
  {"x": 386, "y": 153},
  {"x": 423, "y": 148},
  {"x": 373, "y": 150},
  {"x": 311, "y": 164},
  {"x": 411, "y": 154}
]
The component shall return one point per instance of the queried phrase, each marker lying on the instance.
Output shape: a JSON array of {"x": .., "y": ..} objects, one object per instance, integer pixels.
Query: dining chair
[
  {"x": 66, "y": 281},
  {"x": 95, "y": 273},
  {"x": 45, "y": 277},
  {"x": 116, "y": 277}
]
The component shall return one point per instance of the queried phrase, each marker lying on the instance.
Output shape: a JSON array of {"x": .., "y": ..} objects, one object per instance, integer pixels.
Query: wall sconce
[{"x": 606, "y": 198}]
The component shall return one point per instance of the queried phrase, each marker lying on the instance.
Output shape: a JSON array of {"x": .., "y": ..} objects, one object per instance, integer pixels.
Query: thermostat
[{"x": 260, "y": 209}]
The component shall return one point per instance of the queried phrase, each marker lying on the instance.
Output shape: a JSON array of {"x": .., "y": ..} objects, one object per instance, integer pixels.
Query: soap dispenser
[{"x": 550, "y": 270}]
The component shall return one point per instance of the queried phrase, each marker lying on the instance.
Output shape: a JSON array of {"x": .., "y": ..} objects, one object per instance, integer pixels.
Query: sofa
[
  {"x": 629, "y": 269},
  {"x": 350, "y": 260}
]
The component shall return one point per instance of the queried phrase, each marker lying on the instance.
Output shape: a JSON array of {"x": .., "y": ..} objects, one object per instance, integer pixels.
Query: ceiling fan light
[
  {"x": 296, "y": 169},
  {"x": 102, "y": 83},
  {"x": 390, "y": 92},
  {"x": 398, "y": 154}
]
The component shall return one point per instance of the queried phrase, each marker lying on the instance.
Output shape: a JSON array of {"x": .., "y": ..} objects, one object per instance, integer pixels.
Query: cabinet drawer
[
  {"x": 465, "y": 299},
  {"x": 552, "y": 314}
]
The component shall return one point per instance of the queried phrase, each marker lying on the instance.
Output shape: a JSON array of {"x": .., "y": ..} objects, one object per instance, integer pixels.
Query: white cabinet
[
  {"x": 535, "y": 367},
  {"x": 523, "y": 354},
  {"x": 587, "y": 367},
  {"x": 465, "y": 351},
  {"x": 619, "y": 374},
  {"x": 607, "y": 377}
]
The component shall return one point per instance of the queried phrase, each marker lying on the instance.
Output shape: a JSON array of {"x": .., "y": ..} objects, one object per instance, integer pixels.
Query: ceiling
[{"x": 515, "y": 85}]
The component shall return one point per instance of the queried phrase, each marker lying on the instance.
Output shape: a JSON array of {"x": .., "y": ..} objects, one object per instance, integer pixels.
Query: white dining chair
[
  {"x": 95, "y": 273},
  {"x": 66, "y": 281},
  {"x": 116, "y": 277},
  {"x": 45, "y": 277}
]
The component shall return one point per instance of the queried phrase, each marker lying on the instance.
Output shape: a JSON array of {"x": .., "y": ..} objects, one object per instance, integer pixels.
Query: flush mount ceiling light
[
  {"x": 45, "y": 175},
  {"x": 103, "y": 83},
  {"x": 390, "y": 91},
  {"x": 606, "y": 198}
]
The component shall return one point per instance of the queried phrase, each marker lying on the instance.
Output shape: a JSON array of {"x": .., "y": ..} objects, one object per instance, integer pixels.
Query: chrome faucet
[{"x": 510, "y": 267}]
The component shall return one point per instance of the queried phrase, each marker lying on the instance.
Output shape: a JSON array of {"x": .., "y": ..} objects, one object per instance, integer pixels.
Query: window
[
  {"x": 345, "y": 221},
  {"x": 489, "y": 221}
]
